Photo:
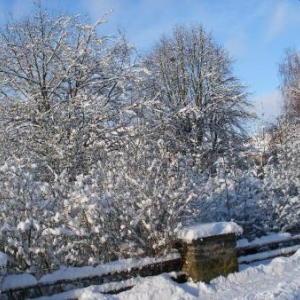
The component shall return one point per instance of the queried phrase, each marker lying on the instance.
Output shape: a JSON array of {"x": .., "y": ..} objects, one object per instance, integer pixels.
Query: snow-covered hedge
[
  {"x": 104, "y": 156},
  {"x": 125, "y": 206}
]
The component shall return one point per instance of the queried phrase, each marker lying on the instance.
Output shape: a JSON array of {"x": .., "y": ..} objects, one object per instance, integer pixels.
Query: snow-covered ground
[{"x": 278, "y": 279}]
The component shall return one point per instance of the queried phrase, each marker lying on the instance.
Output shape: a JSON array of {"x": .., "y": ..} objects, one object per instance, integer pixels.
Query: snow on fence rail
[
  {"x": 200, "y": 248},
  {"x": 26, "y": 285},
  {"x": 282, "y": 244},
  {"x": 216, "y": 242}
]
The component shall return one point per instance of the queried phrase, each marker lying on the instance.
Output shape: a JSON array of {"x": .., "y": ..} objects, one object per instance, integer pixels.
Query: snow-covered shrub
[
  {"x": 26, "y": 205},
  {"x": 233, "y": 197},
  {"x": 100, "y": 159},
  {"x": 131, "y": 203},
  {"x": 282, "y": 179}
]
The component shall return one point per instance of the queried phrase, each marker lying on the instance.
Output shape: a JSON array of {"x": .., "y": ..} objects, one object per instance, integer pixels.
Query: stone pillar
[{"x": 208, "y": 256}]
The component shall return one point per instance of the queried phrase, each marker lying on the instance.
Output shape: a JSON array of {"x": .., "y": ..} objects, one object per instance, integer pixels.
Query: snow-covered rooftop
[{"x": 209, "y": 229}]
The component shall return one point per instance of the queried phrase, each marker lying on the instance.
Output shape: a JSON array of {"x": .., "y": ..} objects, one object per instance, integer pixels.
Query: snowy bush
[
  {"x": 282, "y": 179},
  {"x": 106, "y": 157},
  {"x": 131, "y": 203}
]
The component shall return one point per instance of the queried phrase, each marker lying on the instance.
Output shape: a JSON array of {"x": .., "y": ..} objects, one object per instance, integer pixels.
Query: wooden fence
[
  {"x": 25, "y": 286},
  {"x": 283, "y": 246}
]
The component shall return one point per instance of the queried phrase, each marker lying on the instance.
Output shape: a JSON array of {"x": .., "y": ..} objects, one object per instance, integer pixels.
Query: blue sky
[{"x": 255, "y": 32}]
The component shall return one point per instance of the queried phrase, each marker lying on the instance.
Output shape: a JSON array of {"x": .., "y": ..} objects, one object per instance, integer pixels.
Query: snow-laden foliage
[
  {"x": 282, "y": 178},
  {"x": 106, "y": 157},
  {"x": 265, "y": 196},
  {"x": 201, "y": 96},
  {"x": 130, "y": 203},
  {"x": 289, "y": 71},
  {"x": 62, "y": 86}
]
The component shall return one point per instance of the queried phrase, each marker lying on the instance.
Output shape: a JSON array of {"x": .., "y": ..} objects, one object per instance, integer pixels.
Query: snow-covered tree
[
  {"x": 61, "y": 84},
  {"x": 103, "y": 157},
  {"x": 289, "y": 71},
  {"x": 282, "y": 184},
  {"x": 87, "y": 173},
  {"x": 204, "y": 102}
]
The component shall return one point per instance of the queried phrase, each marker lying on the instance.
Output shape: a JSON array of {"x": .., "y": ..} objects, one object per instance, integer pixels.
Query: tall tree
[
  {"x": 289, "y": 70},
  {"x": 204, "y": 102},
  {"x": 60, "y": 85},
  {"x": 83, "y": 176}
]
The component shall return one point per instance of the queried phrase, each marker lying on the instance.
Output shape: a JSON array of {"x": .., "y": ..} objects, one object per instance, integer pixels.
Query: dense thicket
[{"x": 104, "y": 155}]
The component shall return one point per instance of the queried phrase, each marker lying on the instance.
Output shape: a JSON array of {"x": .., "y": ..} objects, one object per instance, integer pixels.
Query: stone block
[{"x": 209, "y": 257}]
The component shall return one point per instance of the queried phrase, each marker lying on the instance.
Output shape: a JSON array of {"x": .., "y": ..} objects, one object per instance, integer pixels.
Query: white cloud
[
  {"x": 279, "y": 20},
  {"x": 284, "y": 15}
]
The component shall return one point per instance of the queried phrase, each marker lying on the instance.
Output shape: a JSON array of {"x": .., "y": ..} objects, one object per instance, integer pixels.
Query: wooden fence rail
[
  {"x": 23, "y": 286},
  {"x": 283, "y": 246},
  {"x": 202, "y": 253}
]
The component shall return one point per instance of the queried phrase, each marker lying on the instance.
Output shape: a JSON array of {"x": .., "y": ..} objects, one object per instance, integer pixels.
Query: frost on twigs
[
  {"x": 84, "y": 180},
  {"x": 104, "y": 155}
]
